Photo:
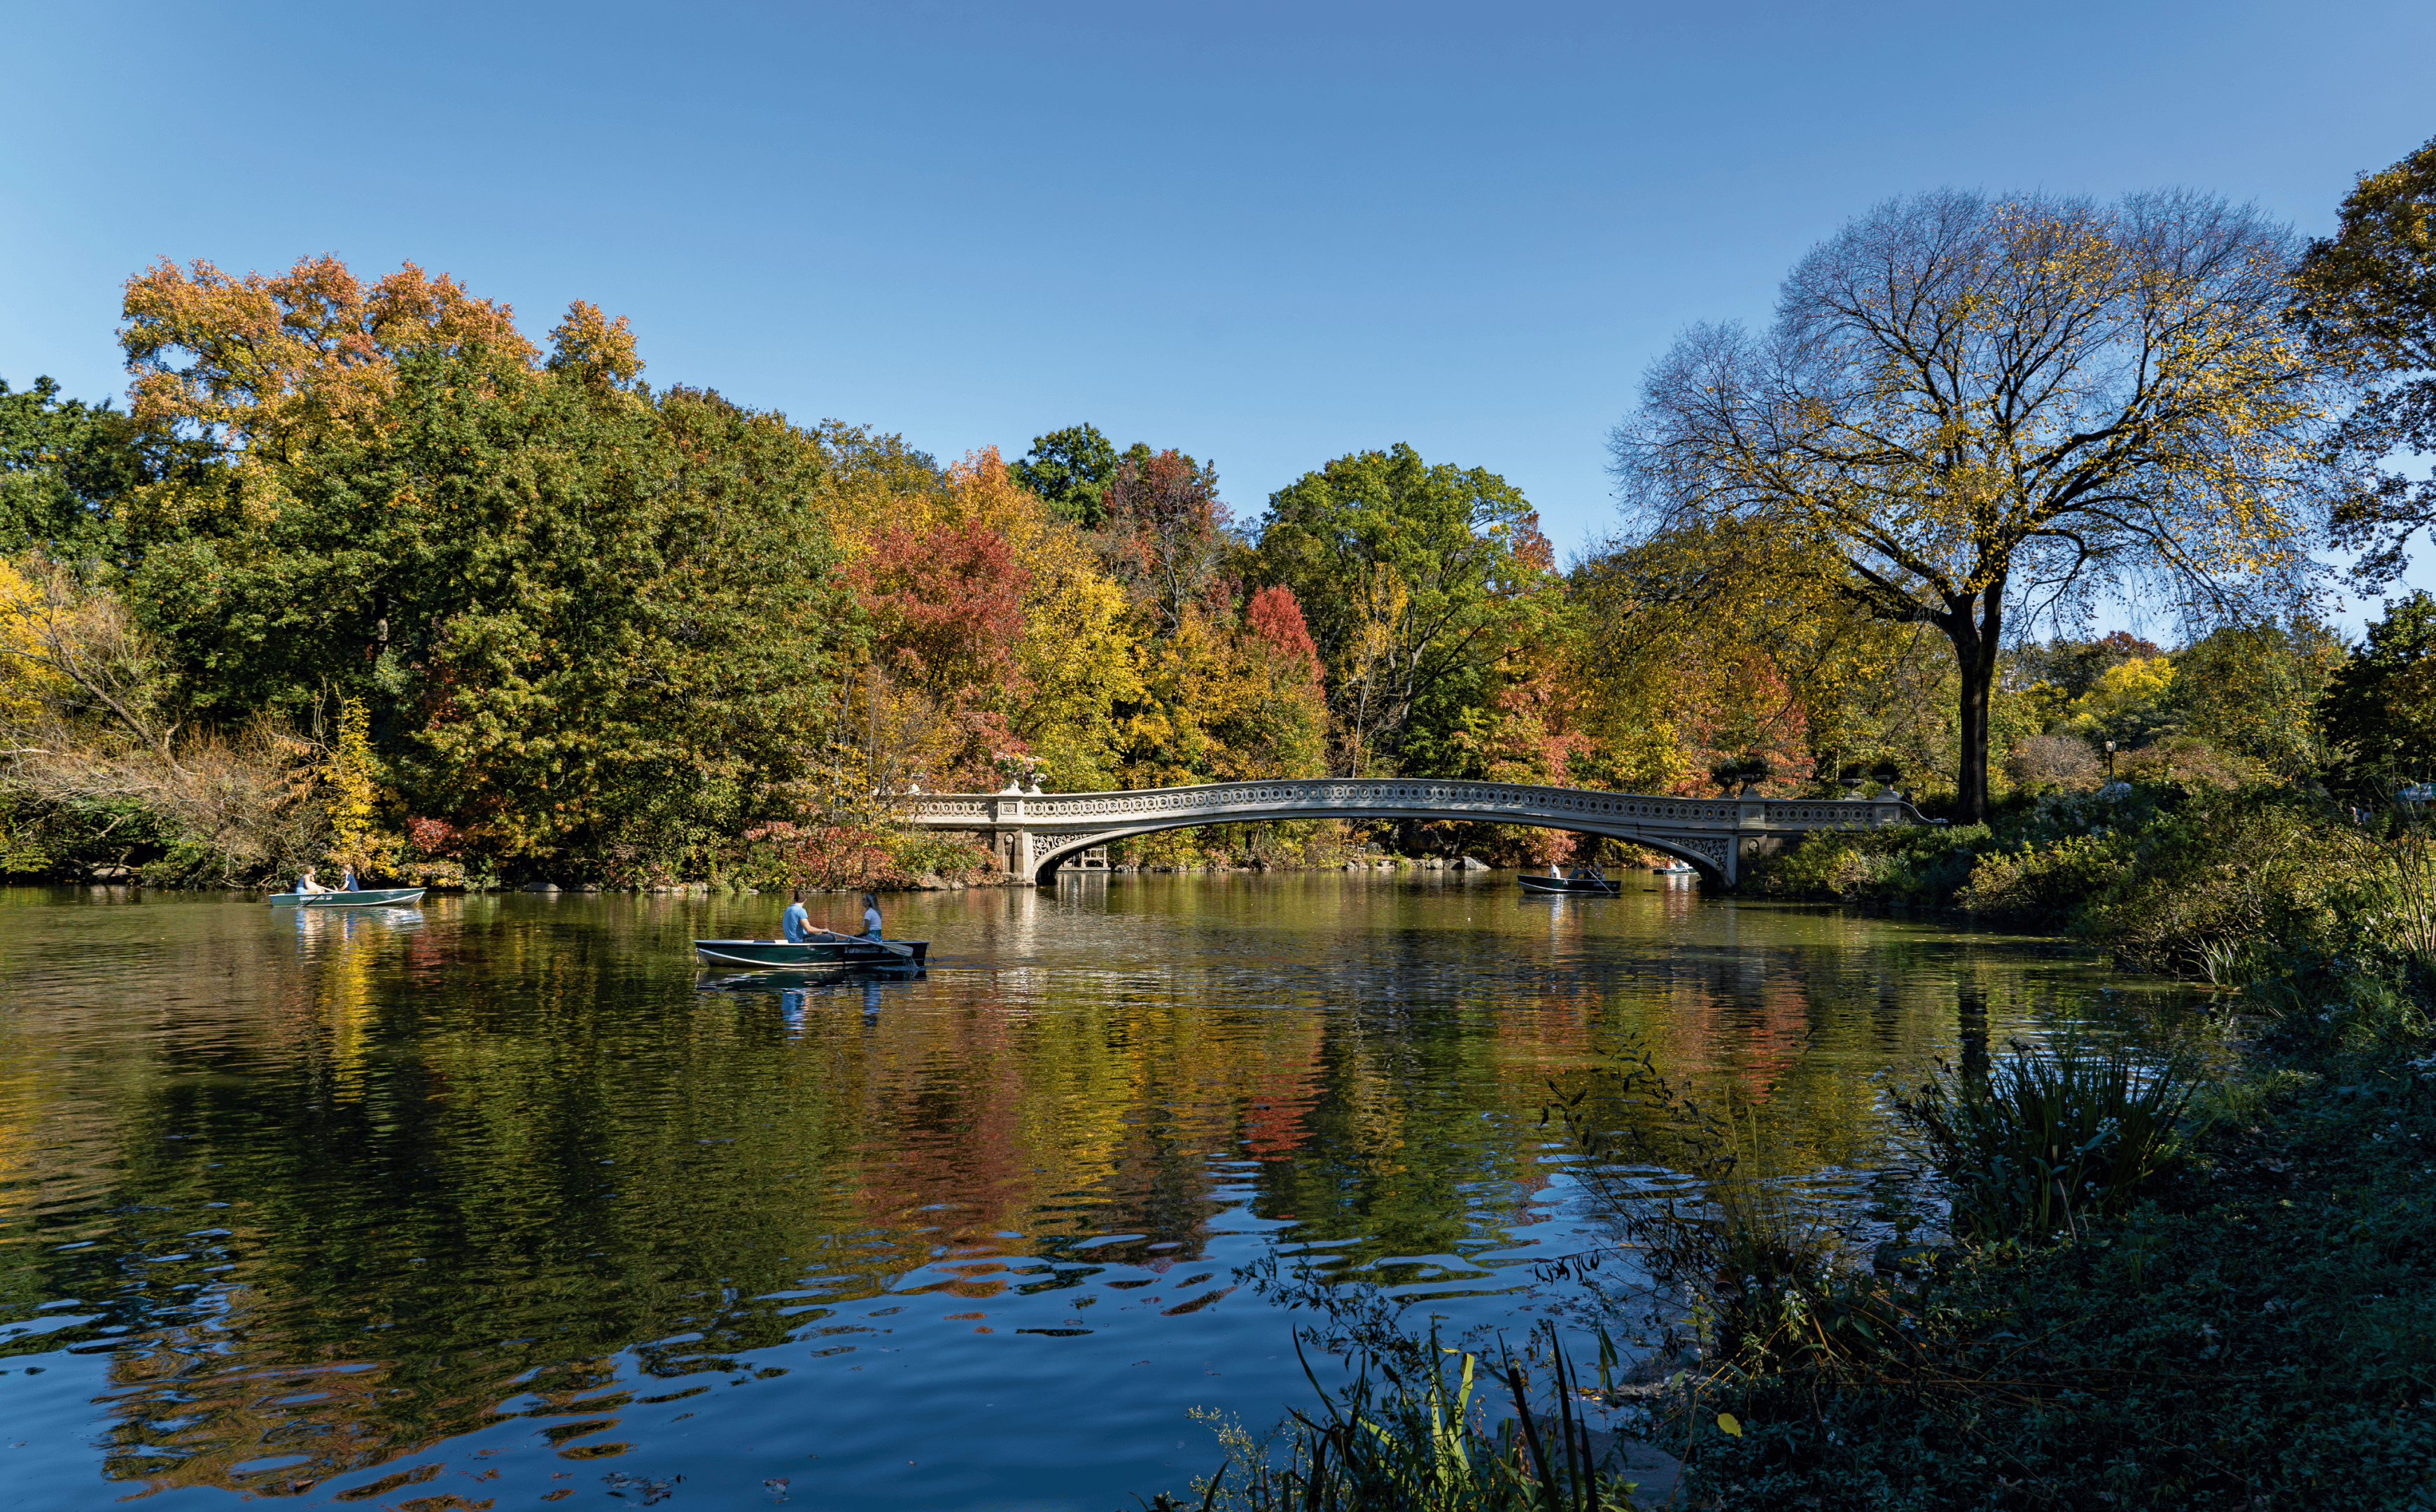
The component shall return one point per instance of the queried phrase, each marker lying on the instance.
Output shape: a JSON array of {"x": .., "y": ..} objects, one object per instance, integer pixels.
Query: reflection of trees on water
[{"x": 471, "y": 1163}]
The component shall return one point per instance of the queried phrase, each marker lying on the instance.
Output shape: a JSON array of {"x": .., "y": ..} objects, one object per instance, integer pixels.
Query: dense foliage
[{"x": 609, "y": 632}]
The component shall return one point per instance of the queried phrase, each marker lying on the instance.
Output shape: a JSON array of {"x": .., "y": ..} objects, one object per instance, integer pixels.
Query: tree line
[{"x": 588, "y": 627}]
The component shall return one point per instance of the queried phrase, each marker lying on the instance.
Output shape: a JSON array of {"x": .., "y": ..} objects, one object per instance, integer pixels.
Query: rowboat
[
  {"x": 838, "y": 950},
  {"x": 1675, "y": 869},
  {"x": 1593, "y": 886},
  {"x": 365, "y": 897}
]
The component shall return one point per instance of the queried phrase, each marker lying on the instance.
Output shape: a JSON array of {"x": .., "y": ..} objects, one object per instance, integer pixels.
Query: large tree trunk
[{"x": 1975, "y": 641}]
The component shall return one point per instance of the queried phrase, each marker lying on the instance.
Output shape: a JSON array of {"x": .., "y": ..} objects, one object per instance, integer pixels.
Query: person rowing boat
[{"x": 796, "y": 925}]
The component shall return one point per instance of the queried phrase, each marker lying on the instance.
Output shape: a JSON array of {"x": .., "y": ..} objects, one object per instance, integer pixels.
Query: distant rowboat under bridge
[{"x": 1033, "y": 833}]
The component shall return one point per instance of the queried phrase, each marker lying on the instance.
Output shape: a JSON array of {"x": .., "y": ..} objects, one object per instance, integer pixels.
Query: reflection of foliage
[{"x": 1733, "y": 1245}]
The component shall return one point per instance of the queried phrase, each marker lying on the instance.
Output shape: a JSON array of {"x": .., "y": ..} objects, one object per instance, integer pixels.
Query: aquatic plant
[
  {"x": 1419, "y": 1440},
  {"x": 2049, "y": 1138}
]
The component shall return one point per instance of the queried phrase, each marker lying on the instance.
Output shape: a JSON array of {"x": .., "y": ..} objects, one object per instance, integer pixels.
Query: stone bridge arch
[{"x": 1033, "y": 832}]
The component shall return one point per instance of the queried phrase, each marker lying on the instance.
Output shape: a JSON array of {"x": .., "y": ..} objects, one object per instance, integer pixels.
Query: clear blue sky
[{"x": 1266, "y": 233}]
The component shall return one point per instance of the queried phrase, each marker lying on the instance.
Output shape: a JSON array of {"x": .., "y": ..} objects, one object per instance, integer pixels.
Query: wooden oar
[{"x": 905, "y": 951}]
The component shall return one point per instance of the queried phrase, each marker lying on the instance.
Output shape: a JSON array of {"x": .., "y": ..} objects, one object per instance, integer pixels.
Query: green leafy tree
[
  {"x": 63, "y": 466},
  {"x": 2368, "y": 298},
  {"x": 585, "y": 618},
  {"x": 1991, "y": 411},
  {"x": 2380, "y": 709},
  {"x": 1071, "y": 469},
  {"x": 1405, "y": 572},
  {"x": 2253, "y": 690}
]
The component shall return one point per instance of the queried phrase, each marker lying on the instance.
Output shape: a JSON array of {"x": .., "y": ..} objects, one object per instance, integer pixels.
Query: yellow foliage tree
[
  {"x": 1991, "y": 408},
  {"x": 350, "y": 777}
]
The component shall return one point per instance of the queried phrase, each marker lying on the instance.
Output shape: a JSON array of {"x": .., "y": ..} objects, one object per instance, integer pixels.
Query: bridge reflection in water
[{"x": 1033, "y": 833}]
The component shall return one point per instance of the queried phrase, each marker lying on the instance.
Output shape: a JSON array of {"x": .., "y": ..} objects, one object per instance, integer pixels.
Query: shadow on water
[{"x": 500, "y": 1197}]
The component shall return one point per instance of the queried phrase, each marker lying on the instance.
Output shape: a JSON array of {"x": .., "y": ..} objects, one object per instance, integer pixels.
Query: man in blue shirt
[{"x": 796, "y": 923}]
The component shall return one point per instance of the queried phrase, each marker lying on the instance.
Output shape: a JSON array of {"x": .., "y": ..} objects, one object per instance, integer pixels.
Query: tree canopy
[
  {"x": 2380, "y": 709},
  {"x": 1987, "y": 409},
  {"x": 1403, "y": 569},
  {"x": 1069, "y": 469},
  {"x": 2368, "y": 296}
]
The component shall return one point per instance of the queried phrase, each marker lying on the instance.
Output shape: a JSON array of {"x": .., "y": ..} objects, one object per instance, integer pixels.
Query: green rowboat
[
  {"x": 838, "y": 950},
  {"x": 367, "y": 898}
]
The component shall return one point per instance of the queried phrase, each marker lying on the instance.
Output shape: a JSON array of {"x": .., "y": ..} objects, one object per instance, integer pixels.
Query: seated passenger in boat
[
  {"x": 796, "y": 924},
  {"x": 307, "y": 883},
  {"x": 870, "y": 916},
  {"x": 347, "y": 881}
]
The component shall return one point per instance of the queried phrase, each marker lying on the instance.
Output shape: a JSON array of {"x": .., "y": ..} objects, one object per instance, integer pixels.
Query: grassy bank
[{"x": 2257, "y": 1330}]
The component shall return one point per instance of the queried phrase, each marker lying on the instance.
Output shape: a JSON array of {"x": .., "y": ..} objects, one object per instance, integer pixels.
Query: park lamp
[{"x": 2109, "y": 761}]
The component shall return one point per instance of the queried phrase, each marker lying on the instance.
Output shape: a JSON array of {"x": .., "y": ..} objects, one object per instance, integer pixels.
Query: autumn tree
[
  {"x": 1405, "y": 569},
  {"x": 1991, "y": 411},
  {"x": 581, "y": 617},
  {"x": 1073, "y": 649},
  {"x": 2368, "y": 299},
  {"x": 1162, "y": 529}
]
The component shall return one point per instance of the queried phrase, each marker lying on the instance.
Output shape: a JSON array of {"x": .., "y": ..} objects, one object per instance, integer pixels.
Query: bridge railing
[{"x": 1352, "y": 795}]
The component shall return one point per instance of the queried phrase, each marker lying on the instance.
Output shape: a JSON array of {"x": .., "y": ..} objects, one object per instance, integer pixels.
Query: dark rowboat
[
  {"x": 841, "y": 950},
  {"x": 1571, "y": 886},
  {"x": 366, "y": 898}
]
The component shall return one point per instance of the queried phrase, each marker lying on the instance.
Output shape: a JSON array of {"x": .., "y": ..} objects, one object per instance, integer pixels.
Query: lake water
[{"x": 499, "y": 1202}]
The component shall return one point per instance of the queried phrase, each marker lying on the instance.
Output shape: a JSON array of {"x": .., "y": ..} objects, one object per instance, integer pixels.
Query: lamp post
[{"x": 2109, "y": 761}]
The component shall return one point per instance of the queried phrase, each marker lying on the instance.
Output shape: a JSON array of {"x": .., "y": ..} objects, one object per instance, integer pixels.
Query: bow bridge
[{"x": 1032, "y": 833}]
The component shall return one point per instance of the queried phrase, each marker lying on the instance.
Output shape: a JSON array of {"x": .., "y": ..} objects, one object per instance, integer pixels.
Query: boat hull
[
  {"x": 804, "y": 979},
  {"x": 370, "y": 897},
  {"x": 780, "y": 955},
  {"x": 1571, "y": 886}
]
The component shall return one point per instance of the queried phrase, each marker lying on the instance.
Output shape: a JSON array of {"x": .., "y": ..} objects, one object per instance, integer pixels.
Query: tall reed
[
  {"x": 2052, "y": 1138},
  {"x": 1421, "y": 1441}
]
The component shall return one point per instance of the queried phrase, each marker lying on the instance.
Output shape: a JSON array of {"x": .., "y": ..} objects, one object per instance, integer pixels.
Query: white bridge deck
[{"x": 1033, "y": 832}]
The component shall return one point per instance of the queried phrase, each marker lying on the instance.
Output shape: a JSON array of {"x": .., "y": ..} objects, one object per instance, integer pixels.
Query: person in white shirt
[{"x": 870, "y": 916}]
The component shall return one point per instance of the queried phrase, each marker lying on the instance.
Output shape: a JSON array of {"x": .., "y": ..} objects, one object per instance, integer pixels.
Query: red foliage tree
[
  {"x": 949, "y": 606},
  {"x": 1274, "y": 617}
]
